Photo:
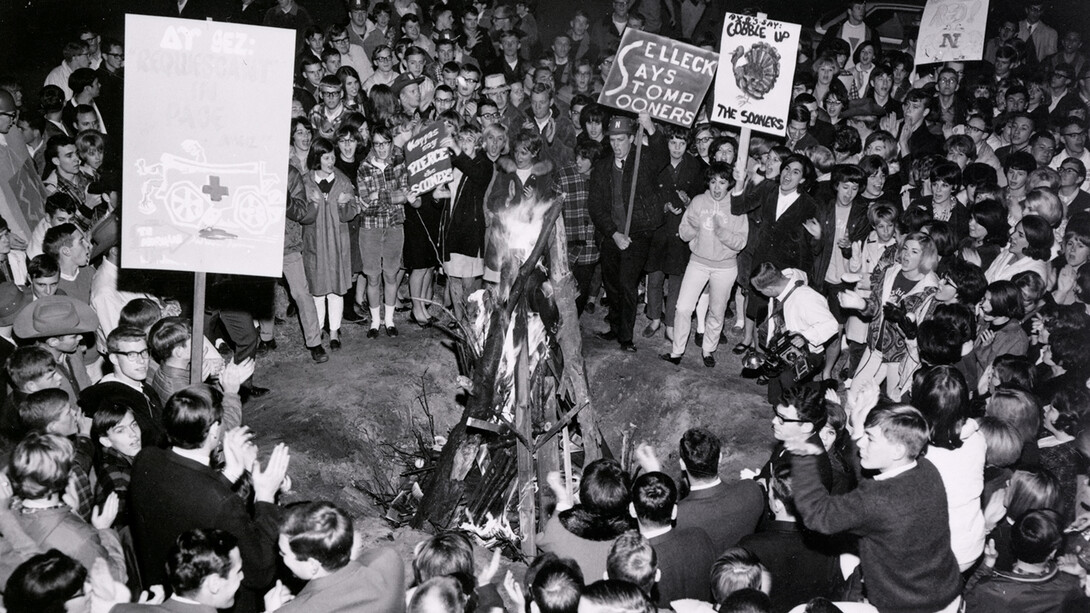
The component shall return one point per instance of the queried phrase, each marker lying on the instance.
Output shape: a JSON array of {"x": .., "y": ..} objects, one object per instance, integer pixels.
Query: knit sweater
[
  {"x": 903, "y": 529},
  {"x": 715, "y": 236}
]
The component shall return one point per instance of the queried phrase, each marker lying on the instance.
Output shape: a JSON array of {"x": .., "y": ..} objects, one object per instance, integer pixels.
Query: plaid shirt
[
  {"x": 82, "y": 458},
  {"x": 383, "y": 213},
  {"x": 114, "y": 469},
  {"x": 573, "y": 189},
  {"x": 76, "y": 188}
]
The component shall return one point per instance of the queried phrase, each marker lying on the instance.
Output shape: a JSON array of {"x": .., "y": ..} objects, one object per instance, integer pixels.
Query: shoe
[
  {"x": 265, "y": 347},
  {"x": 629, "y": 347},
  {"x": 253, "y": 391},
  {"x": 423, "y": 324},
  {"x": 335, "y": 344},
  {"x": 741, "y": 348},
  {"x": 589, "y": 308},
  {"x": 403, "y": 308},
  {"x": 391, "y": 331},
  {"x": 651, "y": 329},
  {"x": 709, "y": 361},
  {"x": 675, "y": 360},
  {"x": 372, "y": 333},
  {"x": 608, "y": 335},
  {"x": 698, "y": 338},
  {"x": 318, "y": 354}
]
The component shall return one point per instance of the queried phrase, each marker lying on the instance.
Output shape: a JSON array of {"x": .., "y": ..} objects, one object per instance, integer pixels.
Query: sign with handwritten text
[
  {"x": 753, "y": 87},
  {"x": 207, "y": 119},
  {"x": 428, "y": 161},
  {"x": 952, "y": 31},
  {"x": 659, "y": 75}
]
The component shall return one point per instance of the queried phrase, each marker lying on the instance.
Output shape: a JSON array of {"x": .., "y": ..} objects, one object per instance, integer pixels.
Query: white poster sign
[
  {"x": 207, "y": 119},
  {"x": 952, "y": 31},
  {"x": 756, "y": 69}
]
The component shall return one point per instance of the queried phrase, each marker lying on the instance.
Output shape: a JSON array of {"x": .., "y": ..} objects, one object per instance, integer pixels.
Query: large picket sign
[
  {"x": 753, "y": 90},
  {"x": 952, "y": 31},
  {"x": 659, "y": 75},
  {"x": 207, "y": 119}
]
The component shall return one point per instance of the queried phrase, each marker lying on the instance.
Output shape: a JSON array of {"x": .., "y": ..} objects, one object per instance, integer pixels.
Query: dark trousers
[
  {"x": 621, "y": 272},
  {"x": 584, "y": 276},
  {"x": 239, "y": 328}
]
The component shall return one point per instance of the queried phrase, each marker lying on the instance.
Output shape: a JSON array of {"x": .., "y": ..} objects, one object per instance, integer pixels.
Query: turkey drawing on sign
[{"x": 756, "y": 70}]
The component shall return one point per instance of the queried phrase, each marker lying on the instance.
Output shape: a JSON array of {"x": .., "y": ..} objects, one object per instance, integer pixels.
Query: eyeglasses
[
  {"x": 380, "y": 143},
  {"x": 973, "y": 128},
  {"x": 339, "y": 40},
  {"x": 471, "y": 80},
  {"x": 1064, "y": 169},
  {"x": 9, "y": 114},
  {"x": 119, "y": 56},
  {"x": 332, "y": 94},
  {"x": 347, "y": 139},
  {"x": 1073, "y": 134},
  {"x": 134, "y": 355},
  {"x": 776, "y": 415},
  {"x": 704, "y": 139},
  {"x": 489, "y": 115},
  {"x": 444, "y": 100},
  {"x": 384, "y": 58}
]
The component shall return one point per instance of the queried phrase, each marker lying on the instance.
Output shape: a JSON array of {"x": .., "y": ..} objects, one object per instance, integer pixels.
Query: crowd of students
[{"x": 904, "y": 271}]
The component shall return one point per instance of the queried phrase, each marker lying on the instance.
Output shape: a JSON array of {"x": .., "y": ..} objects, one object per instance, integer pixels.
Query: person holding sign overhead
[{"x": 627, "y": 218}]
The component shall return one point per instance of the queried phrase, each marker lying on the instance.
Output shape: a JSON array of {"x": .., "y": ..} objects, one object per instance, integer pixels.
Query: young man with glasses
[
  {"x": 1073, "y": 140},
  {"x": 1075, "y": 199},
  {"x": 127, "y": 351},
  {"x": 384, "y": 61},
  {"x": 801, "y": 414},
  {"x": 331, "y": 103}
]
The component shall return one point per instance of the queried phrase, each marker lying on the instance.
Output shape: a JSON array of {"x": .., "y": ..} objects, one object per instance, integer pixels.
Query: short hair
[
  {"x": 766, "y": 276},
  {"x": 190, "y": 414},
  {"x": 992, "y": 216},
  {"x": 1072, "y": 404},
  {"x": 960, "y": 316},
  {"x": 960, "y": 143},
  {"x": 40, "y": 464},
  {"x": 736, "y": 569},
  {"x": 654, "y": 496},
  {"x": 44, "y": 583},
  {"x": 319, "y": 147},
  {"x": 822, "y": 158},
  {"x": 929, "y": 252},
  {"x": 632, "y": 558},
  {"x": 1036, "y": 536},
  {"x": 530, "y": 139},
  {"x": 893, "y": 148},
  {"x": 556, "y": 586},
  {"x": 124, "y": 334},
  {"x": 902, "y": 424},
  {"x": 873, "y": 164},
  {"x": 27, "y": 364},
  {"x": 847, "y": 173},
  {"x": 80, "y": 79},
  {"x": 1014, "y": 371},
  {"x": 846, "y": 140},
  {"x": 445, "y": 553},
  {"x": 88, "y": 141},
  {"x": 74, "y": 48},
  {"x": 1005, "y": 299},
  {"x": 60, "y": 201},
  {"x": 1039, "y": 236},
  {"x": 947, "y": 172},
  {"x": 51, "y": 99},
  {"x": 721, "y": 170},
  {"x": 882, "y": 211},
  {"x": 1020, "y": 160},
  {"x": 444, "y": 593},
  {"x": 942, "y": 234},
  {"x": 700, "y": 450},
  {"x": 1017, "y": 407},
  {"x": 196, "y": 555},
  {"x": 747, "y": 600},
  {"x": 967, "y": 277},
  {"x": 604, "y": 488},
  {"x": 588, "y": 150},
  {"x": 1004, "y": 444},
  {"x": 808, "y": 403},
  {"x": 319, "y": 530},
  {"x": 918, "y": 95},
  {"x": 42, "y": 408},
  {"x": 808, "y": 174},
  {"x": 140, "y": 313},
  {"x": 1046, "y": 205},
  {"x": 617, "y": 596},
  {"x": 1032, "y": 489},
  {"x": 939, "y": 344},
  {"x": 107, "y": 415},
  {"x": 58, "y": 237},
  {"x": 167, "y": 334}
]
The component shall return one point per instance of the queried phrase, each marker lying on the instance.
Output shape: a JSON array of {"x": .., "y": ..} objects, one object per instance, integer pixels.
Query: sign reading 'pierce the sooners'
[
  {"x": 428, "y": 162},
  {"x": 754, "y": 89},
  {"x": 665, "y": 78}
]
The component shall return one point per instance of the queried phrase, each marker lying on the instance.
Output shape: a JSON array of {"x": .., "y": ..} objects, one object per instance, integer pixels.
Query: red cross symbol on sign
[{"x": 214, "y": 190}]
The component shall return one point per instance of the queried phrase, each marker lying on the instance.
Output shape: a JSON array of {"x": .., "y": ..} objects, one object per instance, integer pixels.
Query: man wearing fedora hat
[
  {"x": 407, "y": 89},
  {"x": 624, "y": 249},
  {"x": 863, "y": 115},
  {"x": 56, "y": 323}
]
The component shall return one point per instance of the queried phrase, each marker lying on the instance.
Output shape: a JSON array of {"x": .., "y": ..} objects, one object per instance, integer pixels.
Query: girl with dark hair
[
  {"x": 354, "y": 98},
  {"x": 1063, "y": 419},
  {"x": 863, "y": 65},
  {"x": 301, "y": 135},
  {"x": 327, "y": 257},
  {"x": 1001, "y": 332},
  {"x": 988, "y": 231},
  {"x": 958, "y": 450},
  {"x": 585, "y": 532},
  {"x": 1029, "y": 249}
]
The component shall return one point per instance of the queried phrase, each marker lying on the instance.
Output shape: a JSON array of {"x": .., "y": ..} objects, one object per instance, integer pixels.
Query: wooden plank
[{"x": 524, "y": 424}]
